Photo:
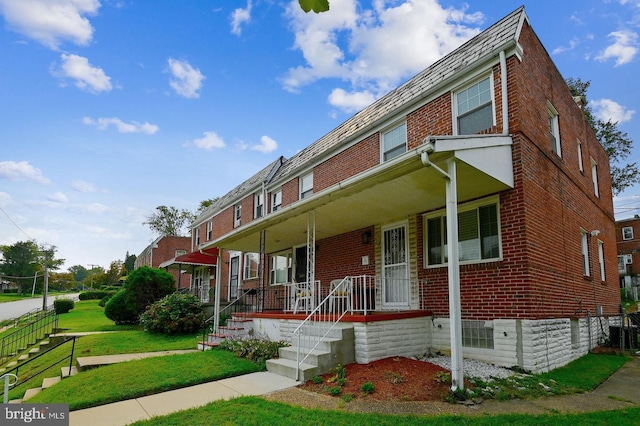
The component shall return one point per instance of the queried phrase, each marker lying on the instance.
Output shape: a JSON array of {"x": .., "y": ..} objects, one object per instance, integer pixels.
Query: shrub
[
  {"x": 62, "y": 306},
  {"x": 367, "y": 387},
  {"x": 145, "y": 286},
  {"x": 104, "y": 300},
  {"x": 95, "y": 294},
  {"x": 257, "y": 350},
  {"x": 174, "y": 314},
  {"x": 117, "y": 311}
]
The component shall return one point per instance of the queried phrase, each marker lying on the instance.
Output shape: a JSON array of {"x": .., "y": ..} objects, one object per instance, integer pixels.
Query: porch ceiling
[{"x": 392, "y": 191}]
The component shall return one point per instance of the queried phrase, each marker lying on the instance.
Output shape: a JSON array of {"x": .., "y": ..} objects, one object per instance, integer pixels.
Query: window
[
  {"x": 197, "y": 237},
  {"x": 477, "y": 334},
  {"x": 180, "y": 252},
  {"x": 594, "y": 177},
  {"x": 478, "y": 235},
  {"x": 279, "y": 268},
  {"x": 475, "y": 108},
  {"x": 251, "y": 262},
  {"x": 258, "y": 203},
  {"x": 237, "y": 215},
  {"x": 601, "y": 260},
  {"x": 622, "y": 267},
  {"x": 209, "y": 230},
  {"x": 394, "y": 142},
  {"x": 580, "y": 165},
  {"x": 306, "y": 185},
  {"x": 585, "y": 252},
  {"x": 554, "y": 130},
  {"x": 627, "y": 233},
  {"x": 276, "y": 201}
]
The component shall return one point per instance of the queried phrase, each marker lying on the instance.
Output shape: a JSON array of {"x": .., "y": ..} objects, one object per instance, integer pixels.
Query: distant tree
[
  {"x": 204, "y": 204},
  {"x": 616, "y": 143},
  {"x": 62, "y": 281},
  {"x": 79, "y": 272},
  {"x": 23, "y": 260},
  {"x": 129, "y": 263},
  {"x": 169, "y": 221},
  {"x": 316, "y": 5}
]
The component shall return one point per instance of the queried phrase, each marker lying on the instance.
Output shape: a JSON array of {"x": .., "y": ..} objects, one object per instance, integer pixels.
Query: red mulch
[{"x": 394, "y": 379}]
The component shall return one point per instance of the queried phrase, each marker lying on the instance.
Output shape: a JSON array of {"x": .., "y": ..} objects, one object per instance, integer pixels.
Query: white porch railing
[
  {"x": 301, "y": 297},
  {"x": 322, "y": 319}
]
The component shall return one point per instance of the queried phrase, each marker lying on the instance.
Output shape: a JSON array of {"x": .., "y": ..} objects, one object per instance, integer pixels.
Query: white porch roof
[{"x": 390, "y": 191}]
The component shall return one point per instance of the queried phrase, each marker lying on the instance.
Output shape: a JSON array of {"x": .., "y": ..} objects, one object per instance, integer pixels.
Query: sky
[{"x": 110, "y": 108}]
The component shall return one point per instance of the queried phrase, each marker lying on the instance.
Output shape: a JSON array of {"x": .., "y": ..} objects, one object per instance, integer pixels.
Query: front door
[
  {"x": 234, "y": 277},
  {"x": 395, "y": 267},
  {"x": 300, "y": 273}
]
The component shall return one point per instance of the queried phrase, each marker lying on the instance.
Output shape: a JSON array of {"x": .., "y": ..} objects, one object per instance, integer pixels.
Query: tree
[
  {"x": 129, "y": 263},
  {"x": 169, "y": 221},
  {"x": 62, "y": 281},
  {"x": 23, "y": 260},
  {"x": 204, "y": 204},
  {"x": 616, "y": 143},
  {"x": 79, "y": 272},
  {"x": 316, "y": 5}
]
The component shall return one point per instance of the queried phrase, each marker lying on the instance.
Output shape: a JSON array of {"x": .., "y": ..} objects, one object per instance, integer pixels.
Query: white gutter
[{"x": 505, "y": 99}]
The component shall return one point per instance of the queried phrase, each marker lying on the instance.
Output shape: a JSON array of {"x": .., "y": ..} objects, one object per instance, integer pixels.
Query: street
[{"x": 11, "y": 310}]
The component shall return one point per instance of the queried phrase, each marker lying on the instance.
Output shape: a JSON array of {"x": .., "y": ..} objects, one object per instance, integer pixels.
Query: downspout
[
  {"x": 453, "y": 263},
  {"x": 505, "y": 96}
]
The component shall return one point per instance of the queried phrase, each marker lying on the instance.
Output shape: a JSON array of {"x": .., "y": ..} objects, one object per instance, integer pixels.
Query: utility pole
[{"x": 45, "y": 286}]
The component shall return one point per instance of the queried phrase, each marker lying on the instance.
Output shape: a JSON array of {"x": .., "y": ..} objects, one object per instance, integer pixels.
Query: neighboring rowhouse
[
  {"x": 163, "y": 249},
  {"x": 490, "y": 129},
  {"x": 628, "y": 240}
]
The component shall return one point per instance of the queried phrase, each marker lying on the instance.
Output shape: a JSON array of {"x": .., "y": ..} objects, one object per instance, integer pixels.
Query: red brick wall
[
  {"x": 632, "y": 246},
  {"x": 350, "y": 162}
]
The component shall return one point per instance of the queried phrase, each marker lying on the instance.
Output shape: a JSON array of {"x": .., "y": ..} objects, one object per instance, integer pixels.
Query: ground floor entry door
[{"x": 395, "y": 267}]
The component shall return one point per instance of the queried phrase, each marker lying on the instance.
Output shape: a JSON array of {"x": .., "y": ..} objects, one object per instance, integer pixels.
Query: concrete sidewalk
[{"x": 125, "y": 412}]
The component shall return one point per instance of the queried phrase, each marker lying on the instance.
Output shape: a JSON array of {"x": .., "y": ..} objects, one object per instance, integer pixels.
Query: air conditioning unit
[{"x": 628, "y": 259}]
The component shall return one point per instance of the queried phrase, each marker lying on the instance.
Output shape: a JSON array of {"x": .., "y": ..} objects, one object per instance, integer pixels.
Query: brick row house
[
  {"x": 628, "y": 241},
  {"x": 486, "y": 149},
  {"x": 165, "y": 249}
]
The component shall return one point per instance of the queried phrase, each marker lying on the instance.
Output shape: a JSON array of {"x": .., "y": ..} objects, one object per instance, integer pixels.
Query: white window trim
[
  {"x": 603, "y": 276},
  {"x": 274, "y": 206},
  {"x": 454, "y": 95},
  {"x": 209, "y": 230},
  {"x": 386, "y": 131},
  {"x": 553, "y": 113},
  {"x": 624, "y": 237},
  {"x": 246, "y": 270},
  {"x": 584, "y": 244},
  {"x": 309, "y": 191},
  {"x": 287, "y": 254},
  {"x": 197, "y": 237},
  {"x": 258, "y": 202},
  {"x": 462, "y": 208},
  {"x": 594, "y": 177},
  {"x": 237, "y": 215},
  {"x": 580, "y": 162}
]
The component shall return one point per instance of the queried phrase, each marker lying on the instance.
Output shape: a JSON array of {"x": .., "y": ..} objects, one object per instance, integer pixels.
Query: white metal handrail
[
  {"x": 319, "y": 323},
  {"x": 7, "y": 383}
]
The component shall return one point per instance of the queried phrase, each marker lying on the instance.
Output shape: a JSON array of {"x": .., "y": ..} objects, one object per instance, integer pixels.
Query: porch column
[
  {"x": 216, "y": 306},
  {"x": 311, "y": 248},
  {"x": 455, "y": 317}
]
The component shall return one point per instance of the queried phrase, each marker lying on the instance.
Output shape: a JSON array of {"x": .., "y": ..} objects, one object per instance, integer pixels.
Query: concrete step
[
  {"x": 324, "y": 360},
  {"x": 50, "y": 381},
  {"x": 218, "y": 337},
  {"x": 12, "y": 364},
  {"x": 31, "y": 393},
  {"x": 33, "y": 351},
  {"x": 15, "y": 401},
  {"x": 287, "y": 368},
  {"x": 65, "y": 372},
  {"x": 206, "y": 346},
  {"x": 23, "y": 357}
]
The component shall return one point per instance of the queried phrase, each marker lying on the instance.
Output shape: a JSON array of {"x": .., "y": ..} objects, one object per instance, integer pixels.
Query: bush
[
  {"x": 62, "y": 306},
  {"x": 174, "y": 314},
  {"x": 257, "y": 350},
  {"x": 95, "y": 294},
  {"x": 104, "y": 300},
  {"x": 145, "y": 286},
  {"x": 117, "y": 311}
]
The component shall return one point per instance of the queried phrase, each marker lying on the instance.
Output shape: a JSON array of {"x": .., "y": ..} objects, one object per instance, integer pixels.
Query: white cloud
[
  {"x": 266, "y": 145},
  {"x": 186, "y": 81},
  {"x": 21, "y": 171},
  {"x": 87, "y": 77},
  {"x": 133, "y": 127},
  {"x": 240, "y": 16},
  {"x": 608, "y": 110},
  {"x": 351, "y": 102},
  {"x": 5, "y": 199},
  {"x": 210, "y": 141},
  {"x": 384, "y": 45},
  {"x": 623, "y": 49},
  {"x": 51, "y": 21},
  {"x": 572, "y": 45},
  {"x": 96, "y": 208},
  {"x": 83, "y": 186},
  {"x": 58, "y": 197}
]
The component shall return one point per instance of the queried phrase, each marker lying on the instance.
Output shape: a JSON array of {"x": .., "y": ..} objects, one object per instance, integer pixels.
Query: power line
[{"x": 15, "y": 224}]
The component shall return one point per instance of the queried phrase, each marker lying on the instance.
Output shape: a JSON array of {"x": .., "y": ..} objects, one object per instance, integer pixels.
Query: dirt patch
[{"x": 392, "y": 379}]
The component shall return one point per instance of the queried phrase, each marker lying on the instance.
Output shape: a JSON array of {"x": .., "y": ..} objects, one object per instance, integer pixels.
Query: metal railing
[
  {"x": 14, "y": 372},
  {"x": 321, "y": 320},
  {"x": 39, "y": 326}
]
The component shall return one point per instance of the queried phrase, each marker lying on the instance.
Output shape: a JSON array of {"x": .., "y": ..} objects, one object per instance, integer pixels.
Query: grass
[
  {"x": 257, "y": 411},
  {"x": 143, "y": 377}
]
